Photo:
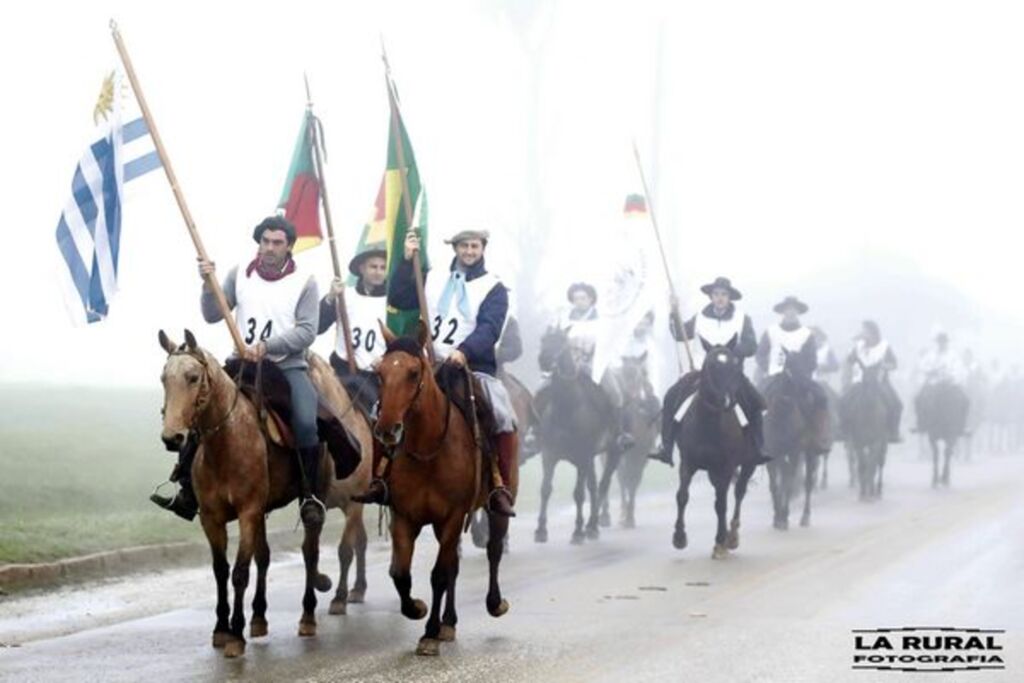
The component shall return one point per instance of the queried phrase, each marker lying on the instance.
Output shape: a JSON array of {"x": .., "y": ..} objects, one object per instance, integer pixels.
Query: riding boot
[
  {"x": 755, "y": 434},
  {"x": 184, "y": 503},
  {"x": 377, "y": 492},
  {"x": 625, "y": 439},
  {"x": 500, "y": 501},
  {"x": 311, "y": 509},
  {"x": 663, "y": 453}
]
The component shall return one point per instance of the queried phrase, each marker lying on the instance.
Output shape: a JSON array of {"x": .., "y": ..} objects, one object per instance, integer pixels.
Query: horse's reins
[
  {"x": 203, "y": 397},
  {"x": 447, "y": 415}
]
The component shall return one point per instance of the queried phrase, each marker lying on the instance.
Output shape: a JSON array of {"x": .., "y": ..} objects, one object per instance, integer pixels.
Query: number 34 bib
[{"x": 266, "y": 309}]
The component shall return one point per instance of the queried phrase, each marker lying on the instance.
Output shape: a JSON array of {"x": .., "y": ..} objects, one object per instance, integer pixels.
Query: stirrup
[
  {"x": 156, "y": 494},
  {"x": 312, "y": 499},
  {"x": 490, "y": 508}
]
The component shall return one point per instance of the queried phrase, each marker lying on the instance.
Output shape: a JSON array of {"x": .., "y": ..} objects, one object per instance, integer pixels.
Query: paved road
[{"x": 627, "y": 607}]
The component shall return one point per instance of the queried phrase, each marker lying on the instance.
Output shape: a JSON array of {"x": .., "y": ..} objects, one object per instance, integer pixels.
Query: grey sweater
[{"x": 294, "y": 342}]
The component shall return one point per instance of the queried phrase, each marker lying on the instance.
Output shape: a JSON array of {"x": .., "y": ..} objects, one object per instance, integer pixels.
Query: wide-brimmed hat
[
  {"x": 722, "y": 283},
  {"x": 581, "y": 287},
  {"x": 463, "y": 235},
  {"x": 791, "y": 301},
  {"x": 357, "y": 261}
]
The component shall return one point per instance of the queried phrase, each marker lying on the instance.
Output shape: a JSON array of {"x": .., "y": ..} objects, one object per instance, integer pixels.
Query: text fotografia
[{"x": 935, "y": 649}]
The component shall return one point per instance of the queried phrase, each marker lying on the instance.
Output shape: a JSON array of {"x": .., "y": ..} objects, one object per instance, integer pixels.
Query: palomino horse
[
  {"x": 710, "y": 438},
  {"x": 237, "y": 474},
  {"x": 942, "y": 414},
  {"x": 573, "y": 425},
  {"x": 642, "y": 408},
  {"x": 437, "y": 479},
  {"x": 790, "y": 437},
  {"x": 865, "y": 429}
]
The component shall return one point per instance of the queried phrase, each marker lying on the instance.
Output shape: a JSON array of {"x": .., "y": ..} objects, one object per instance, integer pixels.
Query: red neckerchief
[{"x": 270, "y": 274}]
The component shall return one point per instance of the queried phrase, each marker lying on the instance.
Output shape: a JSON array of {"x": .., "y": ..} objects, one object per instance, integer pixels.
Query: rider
[
  {"x": 276, "y": 306},
  {"x": 940, "y": 365},
  {"x": 828, "y": 364},
  {"x": 789, "y": 346},
  {"x": 468, "y": 310},
  {"x": 366, "y": 304},
  {"x": 873, "y": 351},
  {"x": 717, "y": 324}
]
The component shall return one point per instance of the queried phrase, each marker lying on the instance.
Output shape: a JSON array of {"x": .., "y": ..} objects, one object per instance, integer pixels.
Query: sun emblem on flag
[{"x": 105, "y": 102}]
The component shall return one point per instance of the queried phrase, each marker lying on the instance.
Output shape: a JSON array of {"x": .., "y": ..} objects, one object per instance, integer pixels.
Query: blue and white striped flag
[{"x": 89, "y": 231}]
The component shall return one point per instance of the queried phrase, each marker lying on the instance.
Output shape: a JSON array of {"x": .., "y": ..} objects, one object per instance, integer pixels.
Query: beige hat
[{"x": 463, "y": 235}]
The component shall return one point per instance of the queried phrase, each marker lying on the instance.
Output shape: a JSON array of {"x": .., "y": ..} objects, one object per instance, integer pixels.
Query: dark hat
[
  {"x": 872, "y": 327},
  {"x": 722, "y": 283},
  {"x": 581, "y": 287},
  {"x": 800, "y": 306},
  {"x": 274, "y": 223},
  {"x": 357, "y": 260},
  {"x": 463, "y": 235},
  {"x": 941, "y": 336}
]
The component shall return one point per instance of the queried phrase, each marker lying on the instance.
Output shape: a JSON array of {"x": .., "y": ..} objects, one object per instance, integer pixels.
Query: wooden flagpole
[
  {"x": 664, "y": 261},
  {"x": 406, "y": 199},
  {"x": 340, "y": 309},
  {"x": 211, "y": 280}
]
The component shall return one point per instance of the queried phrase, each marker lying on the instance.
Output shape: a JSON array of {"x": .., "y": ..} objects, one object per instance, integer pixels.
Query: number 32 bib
[{"x": 452, "y": 328}]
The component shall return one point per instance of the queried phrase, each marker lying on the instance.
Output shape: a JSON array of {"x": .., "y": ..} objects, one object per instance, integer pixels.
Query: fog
[{"x": 866, "y": 157}]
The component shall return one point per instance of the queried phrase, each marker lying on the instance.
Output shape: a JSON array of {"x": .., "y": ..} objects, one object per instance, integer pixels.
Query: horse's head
[
  {"x": 555, "y": 352},
  {"x": 721, "y": 373},
  {"x": 633, "y": 374},
  {"x": 403, "y": 370},
  {"x": 186, "y": 381}
]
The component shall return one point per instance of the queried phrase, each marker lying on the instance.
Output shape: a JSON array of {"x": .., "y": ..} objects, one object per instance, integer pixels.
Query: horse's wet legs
[
  {"x": 810, "y": 477},
  {"x": 579, "y": 496},
  {"x": 739, "y": 493},
  {"x": 595, "y": 502},
  {"x": 778, "y": 483},
  {"x": 349, "y": 549},
  {"x": 217, "y": 537},
  {"x": 935, "y": 463},
  {"x": 682, "y": 498},
  {"x": 945, "y": 465},
  {"x": 250, "y": 526},
  {"x": 541, "y": 534},
  {"x": 314, "y": 579},
  {"x": 721, "y": 483},
  {"x": 258, "y": 623},
  {"x": 496, "y": 605},
  {"x": 442, "y": 577},
  {"x": 403, "y": 539},
  {"x": 611, "y": 465}
]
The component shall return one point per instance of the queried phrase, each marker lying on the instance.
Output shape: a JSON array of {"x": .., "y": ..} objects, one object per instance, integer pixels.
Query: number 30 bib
[
  {"x": 266, "y": 309},
  {"x": 451, "y": 329}
]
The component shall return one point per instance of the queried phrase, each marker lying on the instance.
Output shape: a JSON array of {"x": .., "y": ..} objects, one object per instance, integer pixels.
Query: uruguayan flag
[{"x": 89, "y": 231}]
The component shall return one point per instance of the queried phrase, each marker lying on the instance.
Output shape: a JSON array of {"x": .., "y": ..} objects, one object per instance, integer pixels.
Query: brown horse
[
  {"x": 238, "y": 474},
  {"x": 435, "y": 480}
]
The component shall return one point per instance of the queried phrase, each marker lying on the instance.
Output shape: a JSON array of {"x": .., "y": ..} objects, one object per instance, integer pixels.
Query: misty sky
[{"x": 785, "y": 139}]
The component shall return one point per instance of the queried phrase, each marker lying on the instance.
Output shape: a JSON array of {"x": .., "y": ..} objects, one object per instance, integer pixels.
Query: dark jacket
[
  {"x": 746, "y": 346},
  {"x": 478, "y": 347}
]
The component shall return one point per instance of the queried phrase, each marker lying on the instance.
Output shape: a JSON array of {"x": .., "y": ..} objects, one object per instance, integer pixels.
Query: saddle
[
  {"x": 269, "y": 390},
  {"x": 452, "y": 382},
  {"x": 363, "y": 387}
]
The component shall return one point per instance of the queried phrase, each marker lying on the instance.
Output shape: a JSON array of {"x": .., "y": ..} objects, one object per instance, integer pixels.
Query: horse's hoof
[
  {"x": 605, "y": 520},
  {"x": 540, "y": 536},
  {"x": 593, "y": 533},
  {"x": 307, "y": 628},
  {"x": 719, "y": 553},
  {"x": 234, "y": 648},
  {"x": 220, "y": 639},
  {"x": 780, "y": 524},
  {"x": 428, "y": 647},
  {"x": 322, "y": 583},
  {"x": 498, "y": 610},
  {"x": 679, "y": 540},
  {"x": 417, "y": 611},
  {"x": 447, "y": 633},
  {"x": 805, "y": 520},
  {"x": 356, "y": 596},
  {"x": 732, "y": 541},
  {"x": 338, "y": 606},
  {"x": 258, "y": 628},
  {"x": 577, "y": 538},
  {"x": 629, "y": 523}
]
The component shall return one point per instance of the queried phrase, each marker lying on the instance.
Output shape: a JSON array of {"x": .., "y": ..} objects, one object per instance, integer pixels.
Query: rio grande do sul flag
[{"x": 300, "y": 199}]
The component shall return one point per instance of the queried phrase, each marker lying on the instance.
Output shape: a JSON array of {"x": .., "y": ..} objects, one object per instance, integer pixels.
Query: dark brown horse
[
  {"x": 711, "y": 438},
  {"x": 238, "y": 474},
  {"x": 942, "y": 410},
  {"x": 865, "y": 428},
  {"x": 436, "y": 480}
]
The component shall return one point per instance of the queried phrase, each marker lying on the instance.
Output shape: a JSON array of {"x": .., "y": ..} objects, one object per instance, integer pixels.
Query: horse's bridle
[
  {"x": 729, "y": 402},
  {"x": 202, "y": 401},
  {"x": 447, "y": 414}
]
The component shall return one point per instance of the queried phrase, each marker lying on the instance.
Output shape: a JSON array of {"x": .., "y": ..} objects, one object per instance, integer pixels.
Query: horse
[
  {"x": 641, "y": 408},
  {"x": 573, "y": 425},
  {"x": 942, "y": 409},
  {"x": 238, "y": 474},
  {"x": 711, "y": 438},
  {"x": 865, "y": 418},
  {"x": 791, "y": 437},
  {"x": 835, "y": 427},
  {"x": 436, "y": 480}
]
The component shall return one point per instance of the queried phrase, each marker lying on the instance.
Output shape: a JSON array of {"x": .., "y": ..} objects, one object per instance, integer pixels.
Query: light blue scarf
[{"x": 456, "y": 286}]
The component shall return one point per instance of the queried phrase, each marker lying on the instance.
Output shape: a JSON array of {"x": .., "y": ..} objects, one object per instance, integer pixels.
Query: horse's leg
[
  {"x": 445, "y": 566},
  {"x": 950, "y": 443},
  {"x": 579, "y": 495},
  {"x": 496, "y": 605},
  {"x": 851, "y": 464},
  {"x": 217, "y": 537},
  {"x": 403, "y": 540},
  {"x": 315, "y": 581},
  {"x": 611, "y": 466},
  {"x": 358, "y": 593},
  {"x": 777, "y": 486},
  {"x": 258, "y": 622},
  {"x": 629, "y": 504},
  {"x": 824, "y": 472},
  {"x": 739, "y": 492},
  {"x": 935, "y": 462},
  {"x": 810, "y": 477},
  {"x": 250, "y": 528},
  {"x": 593, "y": 533},
  {"x": 682, "y": 498},
  {"x": 605, "y": 517},
  {"x": 346, "y": 553},
  {"x": 541, "y": 534},
  {"x": 883, "y": 451},
  {"x": 450, "y": 617},
  {"x": 720, "y": 480}
]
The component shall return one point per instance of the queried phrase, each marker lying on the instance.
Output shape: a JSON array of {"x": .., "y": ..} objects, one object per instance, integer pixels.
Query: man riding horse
[
  {"x": 276, "y": 306},
  {"x": 366, "y": 304},
  {"x": 789, "y": 348},
  {"x": 940, "y": 367},
  {"x": 468, "y": 310},
  {"x": 873, "y": 351},
  {"x": 718, "y": 323}
]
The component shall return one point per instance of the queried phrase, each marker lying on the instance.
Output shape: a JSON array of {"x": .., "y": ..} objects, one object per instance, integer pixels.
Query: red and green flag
[{"x": 300, "y": 199}]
